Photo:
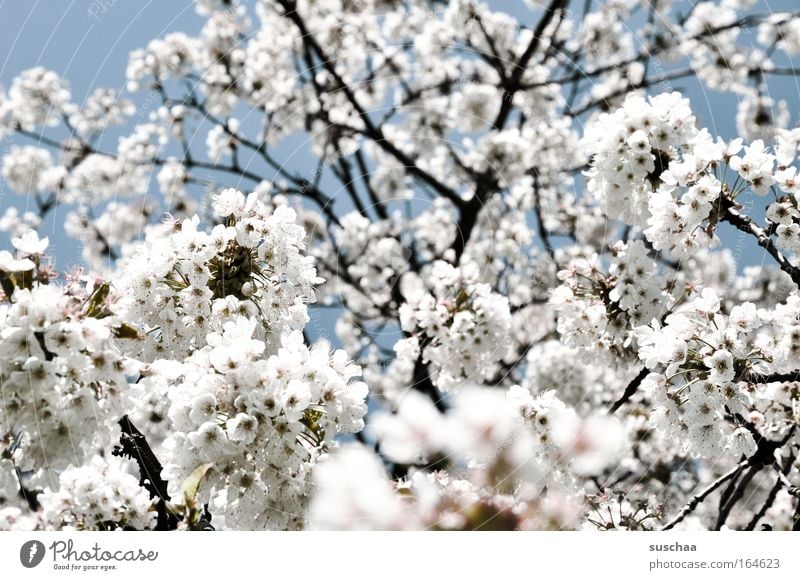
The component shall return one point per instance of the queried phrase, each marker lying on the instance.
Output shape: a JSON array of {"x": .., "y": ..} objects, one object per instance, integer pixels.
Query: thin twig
[{"x": 697, "y": 499}]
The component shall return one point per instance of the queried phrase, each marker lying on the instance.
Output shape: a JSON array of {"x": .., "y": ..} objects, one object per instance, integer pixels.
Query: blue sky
[{"x": 88, "y": 43}]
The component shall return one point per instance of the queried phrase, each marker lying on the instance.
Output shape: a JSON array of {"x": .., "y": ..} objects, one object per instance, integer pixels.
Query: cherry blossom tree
[{"x": 497, "y": 293}]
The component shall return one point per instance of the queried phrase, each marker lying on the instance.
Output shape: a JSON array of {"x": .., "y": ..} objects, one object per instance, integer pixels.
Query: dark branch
[
  {"x": 764, "y": 378},
  {"x": 773, "y": 494},
  {"x": 133, "y": 444},
  {"x": 518, "y": 69},
  {"x": 700, "y": 497},
  {"x": 630, "y": 390},
  {"x": 745, "y": 224}
]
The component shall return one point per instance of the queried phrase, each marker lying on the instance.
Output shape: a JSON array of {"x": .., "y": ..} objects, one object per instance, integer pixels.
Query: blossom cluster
[
  {"x": 63, "y": 372},
  {"x": 460, "y": 326},
  {"x": 183, "y": 283},
  {"x": 262, "y": 423},
  {"x": 476, "y": 468},
  {"x": 597, "y": 311},
  {"x": 103, "y": 494},
  {"x": 241, "y": 392}
]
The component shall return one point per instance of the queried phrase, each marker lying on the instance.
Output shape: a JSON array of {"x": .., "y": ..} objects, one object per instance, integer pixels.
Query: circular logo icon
[{"x": 31, "y": 553}]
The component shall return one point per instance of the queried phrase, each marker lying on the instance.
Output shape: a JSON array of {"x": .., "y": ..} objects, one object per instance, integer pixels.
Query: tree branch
[
  {"x": 773, "y": 494},
  {"x": 133, "y": 444},
  {"x": 764, "y": 378},
  {"x": 764, "y": 455},
  {"x": 700, "y": 497},
  {"x": 518, "y": 69},
  {"x": 747, "y": 225},
  {"x": 371, "y": 130},
  {"x": 630, "y": 390}
]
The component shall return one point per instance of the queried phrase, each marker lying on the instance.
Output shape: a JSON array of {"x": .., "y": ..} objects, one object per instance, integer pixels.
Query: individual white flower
[
  {"x": 788, "y": 180},
  {"x": 64, "y": 338},
  {"x": 203, "y": 408},
  {"x": 29, "y": 243},
  {"x": 242, "y": 428},
  {"x": 755, "y": 166},
  {"x": 658, "y": 345},
  {"x": 788, "y": 237},
  {"x": 744, "y": 317},
  {"x": 295, "y": 399},
  {"x": 229, "y": 202},
  {"x": 721, "y": 366},
  {"x": 707, "y": 302},
  {"x": 705, "y": 439},
  {"x": 10, "y": 264},
  {"x": 741, "y": 443},
  {"x": 782, "y": 213}
]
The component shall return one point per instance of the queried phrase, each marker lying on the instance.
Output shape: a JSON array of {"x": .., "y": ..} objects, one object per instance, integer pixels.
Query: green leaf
[
  {"x": 96, "y": 303},
  {"x": 126, "y": 331},
  {"x": 192, "y": 483}
]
